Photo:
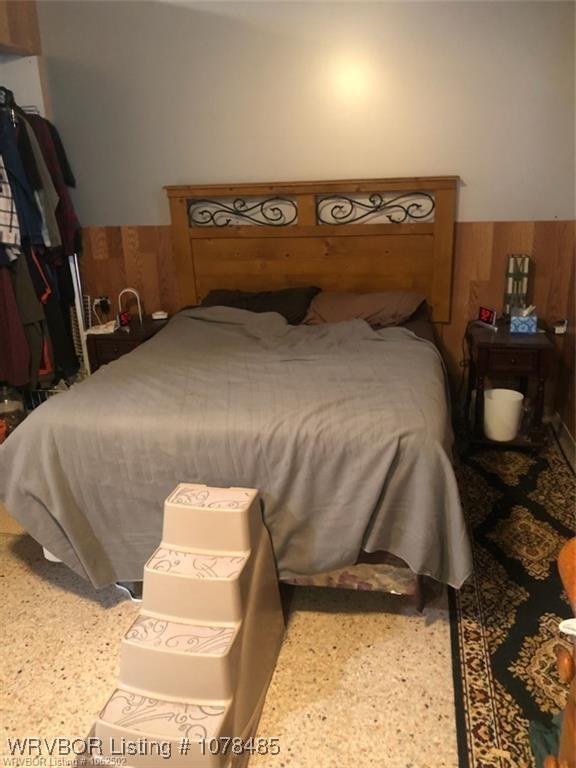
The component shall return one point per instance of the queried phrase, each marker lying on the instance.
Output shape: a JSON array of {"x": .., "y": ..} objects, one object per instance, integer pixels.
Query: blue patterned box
[{"x": 520, "y": 324}]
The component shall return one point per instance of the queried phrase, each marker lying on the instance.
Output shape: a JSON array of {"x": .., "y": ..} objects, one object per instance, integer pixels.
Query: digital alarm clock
[{"x": 487, "y": 315}]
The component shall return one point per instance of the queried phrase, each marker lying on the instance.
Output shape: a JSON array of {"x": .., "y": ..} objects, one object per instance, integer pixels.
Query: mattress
[
  {"x": 344, "y": 430},
  {"x": 421, "y": 324}
]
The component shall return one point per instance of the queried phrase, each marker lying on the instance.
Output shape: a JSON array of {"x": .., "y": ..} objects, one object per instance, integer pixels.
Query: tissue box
[{"x": 519, "y": 324}]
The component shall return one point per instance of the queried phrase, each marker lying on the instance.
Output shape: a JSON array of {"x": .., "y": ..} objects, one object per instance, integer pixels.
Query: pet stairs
[{"x": 196, "y": 663}]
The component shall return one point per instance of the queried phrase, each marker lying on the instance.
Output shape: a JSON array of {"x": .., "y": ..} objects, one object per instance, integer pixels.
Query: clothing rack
[
  {"x": 39, "y": 247},
  {"x": 79, "y": 309}
]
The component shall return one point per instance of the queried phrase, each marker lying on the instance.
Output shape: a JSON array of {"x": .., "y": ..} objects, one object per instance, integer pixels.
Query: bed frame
[{"x": 364, "y": 235}]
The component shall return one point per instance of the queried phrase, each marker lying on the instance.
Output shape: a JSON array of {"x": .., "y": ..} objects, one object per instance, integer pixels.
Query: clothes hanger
[
  {"x": 8, "y": 102},
  {"x": 6, "y": 97}
]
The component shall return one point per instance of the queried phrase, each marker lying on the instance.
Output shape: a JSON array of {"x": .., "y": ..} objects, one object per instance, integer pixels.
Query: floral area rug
[{"x": 520, "y": 508}]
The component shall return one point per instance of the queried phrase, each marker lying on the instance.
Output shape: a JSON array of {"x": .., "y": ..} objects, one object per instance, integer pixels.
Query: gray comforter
[{"x": 344, "y": 430}]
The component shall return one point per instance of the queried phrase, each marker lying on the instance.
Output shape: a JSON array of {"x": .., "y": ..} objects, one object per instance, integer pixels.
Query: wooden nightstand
[
  {"x": 504, "y": 355},
  {"x": 103, "y": 348}
]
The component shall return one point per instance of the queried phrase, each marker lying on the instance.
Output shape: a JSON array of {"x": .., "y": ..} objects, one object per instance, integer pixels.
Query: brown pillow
[{"x": 377, "y": 309}]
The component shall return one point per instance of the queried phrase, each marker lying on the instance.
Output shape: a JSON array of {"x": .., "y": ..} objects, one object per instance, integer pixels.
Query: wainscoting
[
  {"x": 480, "y": 259},
  {"x": 141, "y": 257},
  {"x": 136, "y": 257}
]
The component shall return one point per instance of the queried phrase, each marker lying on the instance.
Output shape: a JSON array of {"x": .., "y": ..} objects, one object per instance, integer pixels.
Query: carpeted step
[
  {"x": 190, "y": 584},
  {"x": 150, "y": 726},
  {"x": 180, "y": 659},
  {"x": 218, "y": 519}
]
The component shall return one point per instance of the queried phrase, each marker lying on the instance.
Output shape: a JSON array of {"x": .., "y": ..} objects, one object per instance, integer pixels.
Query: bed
[{"x": 344, "y": 429}]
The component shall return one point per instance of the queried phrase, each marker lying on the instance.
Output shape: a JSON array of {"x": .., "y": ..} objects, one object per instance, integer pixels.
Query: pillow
[
  {"x": 291, "y": 303},
  {"x": 377, "y": 309}
]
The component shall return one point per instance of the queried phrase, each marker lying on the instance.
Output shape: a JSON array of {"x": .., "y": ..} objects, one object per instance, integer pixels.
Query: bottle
[{"x": 11, "y": 410}]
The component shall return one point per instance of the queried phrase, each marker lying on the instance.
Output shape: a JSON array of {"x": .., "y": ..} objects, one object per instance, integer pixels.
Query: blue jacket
[{"x": 29, "y": 216}]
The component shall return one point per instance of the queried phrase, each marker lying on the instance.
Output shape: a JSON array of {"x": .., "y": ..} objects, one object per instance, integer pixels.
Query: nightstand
[
  {"x": 503, "y": 355},
  {"x": 103, "y": 348}
]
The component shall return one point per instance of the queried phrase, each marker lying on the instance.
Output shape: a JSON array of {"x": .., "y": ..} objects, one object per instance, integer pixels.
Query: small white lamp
[{"x": 135, "y": 293}]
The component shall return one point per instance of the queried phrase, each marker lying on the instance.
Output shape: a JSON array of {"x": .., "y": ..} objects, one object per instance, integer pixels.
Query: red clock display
[
  {"x": 123, "y": 319},
  {"x": 487, "y": 315}
]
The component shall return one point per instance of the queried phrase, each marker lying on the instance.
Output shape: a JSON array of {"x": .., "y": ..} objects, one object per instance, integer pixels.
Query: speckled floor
[{"x": 362, "y": 679}]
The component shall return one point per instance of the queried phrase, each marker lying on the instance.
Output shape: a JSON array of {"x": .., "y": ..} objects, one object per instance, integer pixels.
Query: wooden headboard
[{"x": 366, "y": 235}]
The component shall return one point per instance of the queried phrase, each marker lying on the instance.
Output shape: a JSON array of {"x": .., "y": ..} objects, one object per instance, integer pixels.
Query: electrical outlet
[{"x": 103, "y": 302}]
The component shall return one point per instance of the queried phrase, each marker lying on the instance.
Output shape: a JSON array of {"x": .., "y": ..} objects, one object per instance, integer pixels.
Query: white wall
[
  {"x": 21, "y": 74},
  {"x": 153, "y": 93}
]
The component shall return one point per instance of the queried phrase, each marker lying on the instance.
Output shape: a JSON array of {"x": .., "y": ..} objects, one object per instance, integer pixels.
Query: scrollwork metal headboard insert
[
  {"x": 378, "y": 206},
  {"x": 225, "y": 212}
]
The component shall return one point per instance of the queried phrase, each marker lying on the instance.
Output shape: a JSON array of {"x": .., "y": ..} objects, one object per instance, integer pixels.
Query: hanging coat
[
  {"x": 31, "y": 315},
  {"x": 14, "y": 351},
  {"x": 28, "y": 214},
  {"x": 9, "y": 225},
  {"x": 65, "y": 214},
  {"x": 46, "y": 285},
  {"x": 46, "y": 194}
]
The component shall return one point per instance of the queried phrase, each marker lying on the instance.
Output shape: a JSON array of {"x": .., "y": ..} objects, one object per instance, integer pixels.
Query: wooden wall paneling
[
  {"x": 133, "y": 257},
  {"x": 114, "y": 258},
  {"x": 481, "y": 250},
  {"x": 472, "y": 260},
  {"x": 141, "y": 260},
  {"x": 509, "y": 237},
  {"x": 565, "y": 403},
  {"x": 170, "y": 298},
  {"x": 553, "y": 255},
  {"x": 157, "y": 278},
  {"x": 562, "y": 290},
  {"x": 544, "y": 263},
  {"x": 102, "y": 263},
  {"x": 546, "y": 290}
]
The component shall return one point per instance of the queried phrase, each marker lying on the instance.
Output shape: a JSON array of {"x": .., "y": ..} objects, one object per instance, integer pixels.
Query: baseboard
[{"x": 565, "y": 439}]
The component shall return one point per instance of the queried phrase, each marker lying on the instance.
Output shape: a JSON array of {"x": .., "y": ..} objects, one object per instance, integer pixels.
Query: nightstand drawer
[{"x": 513, "y": 360}]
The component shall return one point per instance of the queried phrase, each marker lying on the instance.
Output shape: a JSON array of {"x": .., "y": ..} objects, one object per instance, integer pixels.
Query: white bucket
[{"x": 502, "y": 413}]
